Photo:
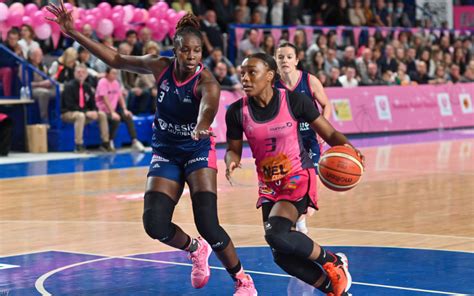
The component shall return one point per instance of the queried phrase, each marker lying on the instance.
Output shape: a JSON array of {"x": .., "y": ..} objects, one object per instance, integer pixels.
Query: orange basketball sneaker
[
  {"x": 244, "y": 286},
  {"x": 338, "y": 273},
  {"x": 201, "y": 272}
]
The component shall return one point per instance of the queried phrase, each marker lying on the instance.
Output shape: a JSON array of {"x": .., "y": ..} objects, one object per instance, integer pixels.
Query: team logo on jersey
[
  {"x": 175, "y": 128},
  {"x": 187, "y": 99},
  {"x": 276, "y": 128},
  {"x": 165, "y": 85},
  {"x": 274, "y": 168}
]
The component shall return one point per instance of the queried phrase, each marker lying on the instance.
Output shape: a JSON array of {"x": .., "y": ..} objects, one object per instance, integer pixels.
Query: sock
[
  {"x": 325, "y": 257},
  {"x": 326, "y": 286},
  {"x": 236, "y": 272},
  {"x": 301, "y": 224},
  {"x": 192, "y": 245}
]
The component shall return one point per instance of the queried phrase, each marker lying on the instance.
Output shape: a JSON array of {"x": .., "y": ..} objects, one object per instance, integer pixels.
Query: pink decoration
[
  {"x": 291, "y": 34},
  {"x": 43, "y": 31},
  {"x": 128, "y": 13},
  {"x": 105, "y": 9},
  {"x": 325, "y": 30},
  {"x": 17, "y": 7},
  {"x": 384, "y": 31},
  {"x": 396, "y": 34},
  {"x": 309, "y": 32},
  {"x": 356, "y": 31},
  {"x": 138, "y": 15},
  {"x": 3, "y": 30},
  {"x": 239, "y": 34},
  {"x": 30, "y": 9},
  {"x": 78, "y": 24},
  {"x": 91, "y": 20},
  {"x": 69, "y": 6},
  {"x": 27, "y": 20},
  {"x": 3, "y": 12},
  {"x": 55, "y": 37},
  {"x": 260, "y": 37},
  {"x": 105, "y": 27},
  {"x": 427, "y": 32},
  {"x": 276, "y": 33},
  {"x": 117, "y": 18},
  {"x": 15, "y": 19},
  {"x": 153, "y": 24},
  {"x": 371, "y": 31},
  {"x": 339, "y": 31}
]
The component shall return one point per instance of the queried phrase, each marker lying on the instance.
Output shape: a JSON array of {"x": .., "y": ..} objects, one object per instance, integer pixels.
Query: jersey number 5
[{"x": 271, "y": 144}]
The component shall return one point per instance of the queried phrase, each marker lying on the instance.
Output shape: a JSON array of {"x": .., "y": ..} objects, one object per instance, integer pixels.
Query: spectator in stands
[
  {"x": 78, "y": 107},
  {"x": 356, "y": 14},
  {"x": 276, "y": 13},
  {"x": 426, "y": 57},
  {"x": 323, "y": 78},
  {"x": 387, "y": 78},
  {"x": 8, "y": 65},
  {"x": 411, "y": 61},
  {"x": 182, "y": 5},
  {"x": 6, "y": 130},
  {"x": 334, "y": 77},
  {"x": 388, "y": 62},
  {"x": 27, "y": 41},
  {"x": 292, "y": 13},
  {"x": 262, "y": 8},
  {"x": 268, "y": 45},
  {"x": 321, "y": 44},
  {"x": 455, "y": 74},
  {"x": 300, "y": 41},
  {"x": 440, "y": 76},
  {"x": 348, "y": 59},
  {"x": 109, "y": 99},
  {"x": 217, "y": 56},
  {"x": 447, "y": 60},
  {"x": 84, "y": 57},
  {"x": 225, "y": 12},
  {"x": 131, "y": 38},
  {"x": 256, "y": 18},
  {"x": 349, "y": 79},
  {"x": 421, "y": 74},
  {"x": 362, "y": 63},
  {"x": 369, "y": 13},
  {"x": 63, "y": 69},
  {"x": 459, "y": 58},
  {"x": 382, "y": 16},
  {"x": 337, "y": 14},
  {"x": 400, "y": 55},
  {"x": 126, "y": 79},
  {"x": 373, "y": 77},
  {"x": 317, "y": 63},
  {"x": 401, "y": 77},
  {"x": 244, "y": 10},
  {"x": 140, "y": 99},
  {"x": 145, "y": 36},
  {"x": 400, "y": 17},
  {"x": 41, "y": 89},
  {"x": 248, "y": 46},
  {"x": 88, "y": 32},
  {"x": 220, "y": 72},
  {"x": 445, "y": 44},
  {"x": 468, "y": 75},
  {"x": 199, "y": 7},
  {"x": 212, "y": 32},
  {"x": 331, "y": 61}
]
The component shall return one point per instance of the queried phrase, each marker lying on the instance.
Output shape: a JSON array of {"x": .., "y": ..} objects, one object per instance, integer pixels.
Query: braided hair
[
  {"x": 269, "y": 61},
  {"x": 188, "y": 24}
]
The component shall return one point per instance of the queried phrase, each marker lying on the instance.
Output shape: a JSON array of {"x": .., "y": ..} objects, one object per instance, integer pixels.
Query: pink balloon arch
[{"x": 104, "y": 19}]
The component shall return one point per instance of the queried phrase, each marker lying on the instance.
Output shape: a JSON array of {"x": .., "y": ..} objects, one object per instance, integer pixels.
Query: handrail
[{"x": 25, "y": 65}]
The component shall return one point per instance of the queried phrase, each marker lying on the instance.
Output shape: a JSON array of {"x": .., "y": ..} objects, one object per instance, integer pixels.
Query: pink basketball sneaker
[
  {"x": 201, "y": 272},
  {"x": 245, "y": 287}
]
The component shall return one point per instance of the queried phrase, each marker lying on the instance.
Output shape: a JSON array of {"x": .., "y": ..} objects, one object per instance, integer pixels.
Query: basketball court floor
[{"x": 71, "y": 225}]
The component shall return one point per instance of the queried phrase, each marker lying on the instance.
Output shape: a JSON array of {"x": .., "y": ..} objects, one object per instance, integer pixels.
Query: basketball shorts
[
  {"x": 178, "y": 166},
  {"x": 291, "y": 188}
]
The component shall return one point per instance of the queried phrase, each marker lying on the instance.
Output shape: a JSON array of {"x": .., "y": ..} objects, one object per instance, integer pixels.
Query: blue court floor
[{"x": 410, "y": 272}]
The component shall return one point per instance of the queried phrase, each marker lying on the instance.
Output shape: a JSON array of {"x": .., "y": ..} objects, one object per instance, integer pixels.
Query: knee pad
[
  {"x": 157, "y": 214},
  {"x": 207, "y": 223},
  {"x": 276, "y": 234}
]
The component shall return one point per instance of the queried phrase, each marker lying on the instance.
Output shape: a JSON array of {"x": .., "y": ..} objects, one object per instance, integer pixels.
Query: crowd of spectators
[{"x": 338, "y": 60}]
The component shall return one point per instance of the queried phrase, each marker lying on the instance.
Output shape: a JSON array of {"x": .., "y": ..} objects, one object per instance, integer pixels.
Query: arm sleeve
[
  {"x": 233, "y": 120},
  {"x": 303, "y": 107}
]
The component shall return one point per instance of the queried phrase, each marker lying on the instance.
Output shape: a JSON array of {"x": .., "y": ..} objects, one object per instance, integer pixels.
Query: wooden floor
[{"x": 413, "y": 195}]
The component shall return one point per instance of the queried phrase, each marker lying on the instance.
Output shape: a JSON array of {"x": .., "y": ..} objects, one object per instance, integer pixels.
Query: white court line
[{"x": 39, "y": 284}]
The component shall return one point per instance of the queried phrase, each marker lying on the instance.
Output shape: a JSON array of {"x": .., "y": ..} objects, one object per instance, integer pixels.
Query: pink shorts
[{"x": 291, "y": 188}]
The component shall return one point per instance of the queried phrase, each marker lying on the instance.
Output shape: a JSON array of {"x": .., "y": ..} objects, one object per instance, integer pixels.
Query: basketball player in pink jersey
[
  {"x": 269, "y": 118},
  {"x": 295, "y": 80}
]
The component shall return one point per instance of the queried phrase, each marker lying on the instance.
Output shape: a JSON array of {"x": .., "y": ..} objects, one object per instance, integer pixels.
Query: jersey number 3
[
  {"x": 271, "y": 144},
  {"x": 161, "y": 96}
]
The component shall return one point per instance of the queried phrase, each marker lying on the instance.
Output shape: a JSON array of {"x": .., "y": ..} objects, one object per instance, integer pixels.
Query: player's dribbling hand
[
  {"x": 361, "y": 156},
  {"x": 197, "y": 135},
  {"x": 63, "y": 16},
  {"x": 230, "y": 169}
]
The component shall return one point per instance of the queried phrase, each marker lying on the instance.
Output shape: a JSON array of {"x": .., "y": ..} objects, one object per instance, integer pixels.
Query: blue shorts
[
  {"x": 180, "y": 165},
  {"x": 311, "y": 145}
]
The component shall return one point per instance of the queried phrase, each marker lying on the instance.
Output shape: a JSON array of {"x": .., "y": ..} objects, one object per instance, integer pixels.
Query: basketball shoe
[
  {"x": 338, "y": 273},
  {"x": 201, "y": 272},
  {"x": 245, "y": 287}
]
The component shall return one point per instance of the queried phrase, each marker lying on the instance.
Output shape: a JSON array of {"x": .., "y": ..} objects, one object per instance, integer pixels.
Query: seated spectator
[
  {"x": 356, "y": 14},
  {"x": 460, "y": 59},
  {"x": 334, "y": 77},
  {"x": 468, "y": 75},
  {"x": 88, "y": 32},
  {"x": 425, "y": 56},
  {"x": 323, "y": 78},
  {"x": 362, "y": 63},
  {"x": 182, "y": 5},
  {"x": 27, "y": 41},
  {"x": 320, "y": 45},
  {"x": 382, "y": 16},
  {"x": 131, "y": 38},
  {"x": 276, "y": 13},
  {"x": 108, "y": 97},
  {"x": 349, "y": 79},
  {"x": 387, "y": 78},
  {"x": 421, "y": 74},
  {"x": 400, "y": 17},
  {"x": 84, "y": 57},
  {"x": 440, "y": 76},
  {"x": 248, "y": 46},
  {"x": 455, "y": 74},
  {"x": 388, "y": 62},
  {"x": 217, "y": 56},
  {"x": 373, "y": 76},
  {"x": 331, "y": 61},
  {"x": 78, "y": 107},
  {"x": 41, "y": 89},
  {"x": 63, "y": 69},
  {"x": 6, "y": 130},
  {"x": 369, "y": 13},
  {"x": 411, "y": 61},
  {"x": 220, "y": 72},
  {"x": 401, "y": 77},
  {"x": 145, "y": 36},
  {"x": 268, "y": 45},
  {"x": 348, "y": 59},
  {"x": 126, "y": 79},
  {"x": 212, "y": 36},
  {"x": 8, "y": 65},
  {"x": 317, "y": 63}
]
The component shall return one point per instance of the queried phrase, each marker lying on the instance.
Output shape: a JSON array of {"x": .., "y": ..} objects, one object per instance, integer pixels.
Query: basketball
[{"x": 340, "y": 168}]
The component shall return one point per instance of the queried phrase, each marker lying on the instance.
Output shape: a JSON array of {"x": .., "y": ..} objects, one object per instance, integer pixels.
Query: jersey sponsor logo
[
  {"x": 157, "y": 158},
  {"x": 279, "y": 127},
  {"x": 274, "y": 168},
  {"x": 197, "y": 159},
  {"x": 156, "y": 166},
  {"x": 165, "y": 85},
  {"x": 187, "y": 99},
  {"x": 176, "y": 129},
  {"x": 304, "y": 126}
]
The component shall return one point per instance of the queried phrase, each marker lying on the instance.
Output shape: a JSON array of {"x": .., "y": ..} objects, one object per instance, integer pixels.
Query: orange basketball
[{"x": 340, "y": 168}]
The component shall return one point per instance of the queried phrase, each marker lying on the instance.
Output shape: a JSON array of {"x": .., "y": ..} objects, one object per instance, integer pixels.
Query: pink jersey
[{"x": 275, "y": 144}]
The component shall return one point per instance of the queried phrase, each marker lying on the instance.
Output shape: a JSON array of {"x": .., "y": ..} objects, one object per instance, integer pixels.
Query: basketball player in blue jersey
[
  {"x": 295, "y": 80},
  {"x": 183, "y": 149}
]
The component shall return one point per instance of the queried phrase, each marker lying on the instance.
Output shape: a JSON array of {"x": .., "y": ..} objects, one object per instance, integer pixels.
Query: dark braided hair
[
  {"x": 188, "y": 24},
  {"x": 269, "y": 61}
]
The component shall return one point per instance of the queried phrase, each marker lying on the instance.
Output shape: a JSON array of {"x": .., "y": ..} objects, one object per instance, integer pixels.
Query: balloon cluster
[{"x": 104, "y": 19}]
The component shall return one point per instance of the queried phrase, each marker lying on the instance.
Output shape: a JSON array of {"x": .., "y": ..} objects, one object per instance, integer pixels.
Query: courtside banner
[
  {"x": 387, "y": 108},
  {"x": 463, "y": 17}
]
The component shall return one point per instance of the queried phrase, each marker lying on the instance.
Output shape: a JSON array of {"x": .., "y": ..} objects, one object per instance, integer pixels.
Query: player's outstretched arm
[
  {"x": 210, "y": 92},
  {"x": 137, "y": 64}
]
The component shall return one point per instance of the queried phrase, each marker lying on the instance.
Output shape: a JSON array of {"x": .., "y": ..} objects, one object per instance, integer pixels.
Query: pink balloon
[
  {"x": 153, "y": 11},
  {"x": 128, "y": 13},
  {"x": 3, "y": 12},
  {"x": 30, "y": 9},
  {"x": 17, "y": 7},
  {"x": 117, "y": 18},
  {"x": 105, "y": 9},
  {"x": 43, "y": 31},
  {"x": 15, "y": 19},
  {"x": 117, "y": 8},
  {"x": 137, "y": 15},
  {"x": 105, "y": 27},
  {"x": 119, "y": 32},
  {"x": 27, "y": 20},
  {"x": 38, "y": 18},
  {"x": 91, "y": 20},
  {"x": 153, "y": 24},
  {"x": 164, "y": 26},
  {"x": 46, "y": 13},
  {"x": 78, "y": 24},
  {"x": 158, "y": 36},
  {"x": 96, "y": 12},
  {"x": 172, "y": 32},
  {"x": 68, "y": 6},
  {"x": 162, "y": 5},
  {"x": 81, "y": 12}
]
